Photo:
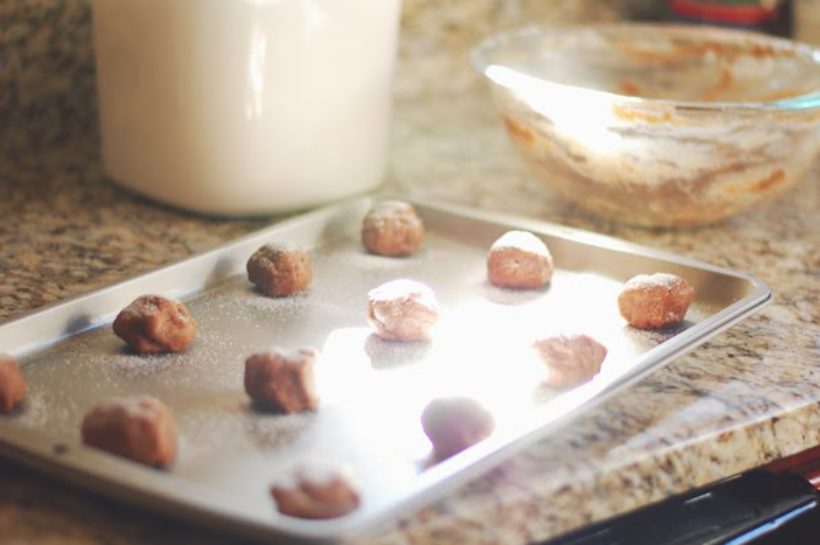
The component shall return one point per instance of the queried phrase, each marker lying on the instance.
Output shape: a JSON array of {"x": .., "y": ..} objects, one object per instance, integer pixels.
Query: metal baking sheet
[{"x": 372, "y": 391}]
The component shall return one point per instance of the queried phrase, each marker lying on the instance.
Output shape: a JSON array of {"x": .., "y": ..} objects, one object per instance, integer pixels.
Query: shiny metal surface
[{"x": 372, "y": 392}]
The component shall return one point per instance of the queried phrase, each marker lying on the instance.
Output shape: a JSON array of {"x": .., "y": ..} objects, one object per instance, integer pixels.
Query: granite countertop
[{"x": 746, "y": 398}]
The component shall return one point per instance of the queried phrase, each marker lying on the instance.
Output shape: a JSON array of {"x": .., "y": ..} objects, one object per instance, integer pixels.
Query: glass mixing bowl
[{"x": 658, "y": 125}]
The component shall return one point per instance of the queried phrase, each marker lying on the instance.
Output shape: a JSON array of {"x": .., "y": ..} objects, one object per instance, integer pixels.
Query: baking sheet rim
[{"x": 125, "y": 478}]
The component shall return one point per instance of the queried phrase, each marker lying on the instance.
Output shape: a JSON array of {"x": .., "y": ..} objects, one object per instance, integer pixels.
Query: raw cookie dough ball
[
  {"x": 519, "y": 260},
  {"x": 454, "y": 424},
  {"x": 13, "y": 386},
  {"x": 282, "y": 380},
  {"x": 654, "y": 301},
  {"x": 280, "y": 271},
  {"x": 392, "y": 228},
  {"x": 402, "y": 310},
  {"x": 571, "y": 359},
  {"x": 153, "y": 324},
  {"x": 140, "y": 428},
  {"x": 316, "y": 493}
]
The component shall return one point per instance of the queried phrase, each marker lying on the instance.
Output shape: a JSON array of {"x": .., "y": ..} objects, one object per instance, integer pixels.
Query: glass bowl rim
[{"x": 479, "y": 59}]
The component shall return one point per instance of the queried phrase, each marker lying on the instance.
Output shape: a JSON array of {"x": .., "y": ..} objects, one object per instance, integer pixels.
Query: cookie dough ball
[
  {"x": 392, "y": 228},
  {"x": 454, "y": 424},
  {"x": 655, "y": 301},
  {"x": 316, "y": 493},
  {"x": 402, "y": 310},
  {"x": 519, "y": 260},
  {"x": 280, "y": 271},
  {"x": 153, "y": 324},
  {"x": 140, "y": 428},
  {"x": 282, "y": 380},
  {"x": 571, "y": 359},
  {"x": 13, "y": 386}
]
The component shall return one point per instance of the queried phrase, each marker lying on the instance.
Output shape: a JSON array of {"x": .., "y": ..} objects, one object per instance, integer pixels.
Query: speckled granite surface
[{"x": 748, "y": 397}]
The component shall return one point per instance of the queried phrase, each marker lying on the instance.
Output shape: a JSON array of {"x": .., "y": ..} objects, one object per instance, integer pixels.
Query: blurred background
[{"x": 47, "y": 63}]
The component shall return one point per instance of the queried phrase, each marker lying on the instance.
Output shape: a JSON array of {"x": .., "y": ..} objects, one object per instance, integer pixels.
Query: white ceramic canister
[{"x": 241, "y": 107}]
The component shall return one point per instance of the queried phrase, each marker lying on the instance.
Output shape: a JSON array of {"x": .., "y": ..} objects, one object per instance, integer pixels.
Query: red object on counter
[
  {"x": 749, "y": 14},
  {"x": 805, "y": 463}
]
